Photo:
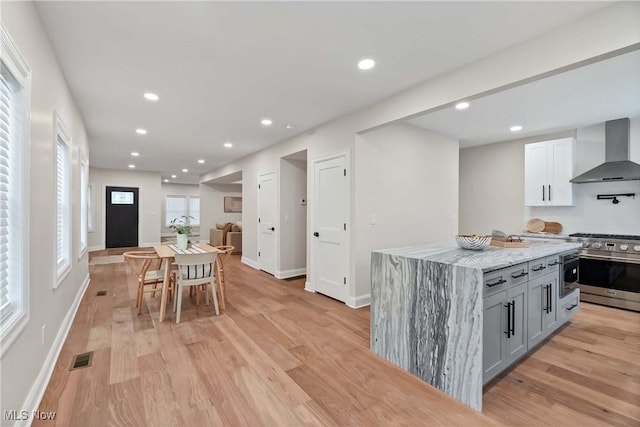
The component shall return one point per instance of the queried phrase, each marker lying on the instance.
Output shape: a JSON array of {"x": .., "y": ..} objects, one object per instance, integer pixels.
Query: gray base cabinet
[
  {"x": 504, "y": 329},
  {"x": 493, "y": 338},
  {"x": 543, "y": 308},
  {"x": 521, "y": 308}
]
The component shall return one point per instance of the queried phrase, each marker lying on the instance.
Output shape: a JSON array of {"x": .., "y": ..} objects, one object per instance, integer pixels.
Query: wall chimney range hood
[{"x": 617, "y": 166}]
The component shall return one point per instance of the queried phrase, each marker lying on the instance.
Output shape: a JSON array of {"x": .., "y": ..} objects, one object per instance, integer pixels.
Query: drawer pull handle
[
  {"x": 499, "y": 282},
  {"x": 524, "y": 273},
  {"x": 572, "y": 307},
  {"x": 542, "y": 267},
  {"x": 554, "y": 263}
]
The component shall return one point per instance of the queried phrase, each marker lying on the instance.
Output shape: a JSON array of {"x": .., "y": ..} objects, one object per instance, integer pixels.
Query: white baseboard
[
  {"x": 42, "y": 381},
  {"x": 308, "y": 288},
  {"x": 251, "y": 263},
  {"x": 149, "y": 245},
  {"x": 285, "y": 274},
  {"x": 359, "y": 302},
  {"x": 96, "y": 248}
]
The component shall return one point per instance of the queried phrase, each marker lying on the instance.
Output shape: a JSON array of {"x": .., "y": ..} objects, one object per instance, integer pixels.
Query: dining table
[{"x": 167, "y": 253}]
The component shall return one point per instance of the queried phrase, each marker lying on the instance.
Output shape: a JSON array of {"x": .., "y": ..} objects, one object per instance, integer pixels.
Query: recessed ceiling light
[
  {"x": 185, "y": 170},
  {"x": 228, "y": 144},
  {"x": 151, "y": 96},
  {"x": 200, "y": 161},
  {"x": 132, "y": 166},
  {"x": 290, "y": 127},
  {"x": 516, "y": 128},
  {"x": 135, "y": 154},
  {"x": 173, "y": 176},
  {"x": 366, "y": 64},
  {"x": 462, "y": 105},
  {"x": 141, "y": 131},
  {"x": 266, "y": 122},
  {"x": 166, "y": 180}
]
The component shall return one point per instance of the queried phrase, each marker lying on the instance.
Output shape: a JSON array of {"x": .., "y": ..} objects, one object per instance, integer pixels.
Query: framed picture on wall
[{"x": 232, "y": 204}]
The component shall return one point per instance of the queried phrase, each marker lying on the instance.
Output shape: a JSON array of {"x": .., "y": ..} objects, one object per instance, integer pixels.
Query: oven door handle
[{"x": 610, "y": 258}]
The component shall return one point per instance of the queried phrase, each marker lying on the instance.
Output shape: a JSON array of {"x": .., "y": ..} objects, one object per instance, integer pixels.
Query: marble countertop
[{"x": 491, "y": 258}]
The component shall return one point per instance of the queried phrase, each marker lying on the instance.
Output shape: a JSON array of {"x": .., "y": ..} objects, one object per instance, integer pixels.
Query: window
[
  {"x": 194, "y": 209},
  {"x": 63, "y": 200},
  {"x": 90, "y": 196},
  {"x": 84, "y": 205},
  {"x": 15, "y": 86},
  {"x": 177, "y": 206}
]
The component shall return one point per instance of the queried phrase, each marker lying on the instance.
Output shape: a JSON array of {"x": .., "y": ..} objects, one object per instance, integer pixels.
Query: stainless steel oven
[{"x": 609, "y": 270}]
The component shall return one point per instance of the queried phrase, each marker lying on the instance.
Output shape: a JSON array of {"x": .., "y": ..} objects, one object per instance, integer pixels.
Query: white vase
[{"x": 182, "y": 241}]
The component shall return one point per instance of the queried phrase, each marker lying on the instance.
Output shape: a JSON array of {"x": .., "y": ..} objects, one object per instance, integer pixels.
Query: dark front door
[{"x": 122, "y": 217}]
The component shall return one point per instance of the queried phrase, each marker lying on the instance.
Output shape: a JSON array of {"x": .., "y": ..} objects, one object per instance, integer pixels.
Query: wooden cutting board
[
  {"x": 535, "y": 225},
  {"x": 502, "y": 244},
  {"x": 552, "y": 227}
]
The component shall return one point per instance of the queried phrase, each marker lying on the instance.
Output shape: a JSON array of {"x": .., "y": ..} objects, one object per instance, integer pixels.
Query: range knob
[
  {"x": 624, "y": 247},
  {"x": 636, "y": 248},
  {"x": 597, "y": 245},
  {"x": 585, "y": 244}
]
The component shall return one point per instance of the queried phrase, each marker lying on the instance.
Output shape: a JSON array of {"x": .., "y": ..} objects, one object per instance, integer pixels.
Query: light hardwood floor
[{"x": 280, "y": 356}]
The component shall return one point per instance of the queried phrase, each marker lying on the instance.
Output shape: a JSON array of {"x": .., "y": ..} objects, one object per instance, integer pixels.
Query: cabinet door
[
  {"x": 517, "y": 343},
  {"x": 560, "y": 190},
  {"x": 493, "y": 338},
  {"x": 536, "y": 302},
  {"x": 535, "y": 174},
  {"x": 550, "y": 316}
]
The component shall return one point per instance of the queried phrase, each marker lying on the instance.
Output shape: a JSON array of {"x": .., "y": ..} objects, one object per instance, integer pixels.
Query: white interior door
[
  {"x": 330, "y": 239},
  {"x": 267, "y": 221}
]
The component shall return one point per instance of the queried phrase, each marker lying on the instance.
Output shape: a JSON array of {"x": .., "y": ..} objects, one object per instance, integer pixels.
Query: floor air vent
[
  {"x": 81, "y": 361},
  {"x": 101, "y": 293}
]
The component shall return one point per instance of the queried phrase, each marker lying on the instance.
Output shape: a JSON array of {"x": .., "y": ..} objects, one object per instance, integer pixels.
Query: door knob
[
  {"x": 272, "y": 229},
  {"x": 316, "y": 234}
]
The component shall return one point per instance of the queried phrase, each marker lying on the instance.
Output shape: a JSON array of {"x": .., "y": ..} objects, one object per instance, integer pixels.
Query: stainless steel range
[{"x": 609, "y": 270}]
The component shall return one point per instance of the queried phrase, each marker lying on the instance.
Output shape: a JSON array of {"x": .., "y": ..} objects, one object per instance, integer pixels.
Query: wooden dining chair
[
  {"x": 149, "y": 274},
  {"x": 224, "y": 252},
  {"x": 195, "y": 270}
]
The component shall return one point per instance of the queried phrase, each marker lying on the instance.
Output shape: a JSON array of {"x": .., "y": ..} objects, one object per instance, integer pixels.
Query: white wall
[
  {"x": 168, "y": 189},
  {"x": 25, "y": 362},
  {"x": 293, "y": 217},
  {"x": 492, "y": 188},
  {"x": 149, "y": 197},
  {"x": 607, "y": 30},
  {"x": 212, "y": 207},
  {"x": 407, "y": 178}
]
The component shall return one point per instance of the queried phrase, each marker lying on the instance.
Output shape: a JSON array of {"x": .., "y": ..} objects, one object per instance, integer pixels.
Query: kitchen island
[{"x": 429, "y": 303}]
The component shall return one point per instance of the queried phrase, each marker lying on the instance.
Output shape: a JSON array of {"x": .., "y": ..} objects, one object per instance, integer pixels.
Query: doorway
[
  {"x": 293, "y": 216},
  {"x": 121, "y": 212},
  {"x": 267, "y": 201},
  {"x": 331, "y": 205}
]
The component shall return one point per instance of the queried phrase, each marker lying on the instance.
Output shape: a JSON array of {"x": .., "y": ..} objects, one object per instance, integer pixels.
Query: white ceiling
[
  {"x": 595, "y": 93},
  {"x": 219, "y": 67}
]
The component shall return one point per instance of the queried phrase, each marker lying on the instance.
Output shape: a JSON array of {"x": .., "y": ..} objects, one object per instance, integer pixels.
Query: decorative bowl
[{"x": 476, "y": 242}]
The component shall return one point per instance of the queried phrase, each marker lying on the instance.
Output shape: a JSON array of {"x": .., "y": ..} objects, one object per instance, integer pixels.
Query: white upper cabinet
[{"x": 548, "y": 167}]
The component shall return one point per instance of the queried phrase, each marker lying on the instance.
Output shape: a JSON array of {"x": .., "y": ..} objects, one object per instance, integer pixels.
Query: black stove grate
[{"x": 605, "y": 236}]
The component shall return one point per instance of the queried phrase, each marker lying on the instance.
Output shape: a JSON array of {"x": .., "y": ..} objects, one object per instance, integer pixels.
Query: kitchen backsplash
[{"x": 590, "y": 215}]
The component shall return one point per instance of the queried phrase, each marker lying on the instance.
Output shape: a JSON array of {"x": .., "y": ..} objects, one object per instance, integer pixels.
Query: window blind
[
  {"x": 84, "y": 206},
  {"x": 5, "y": 196},
  {"x": 62, "y": 197},
  {"x": 194, "y": 209},
  {"x": 175, "y": 207}
]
